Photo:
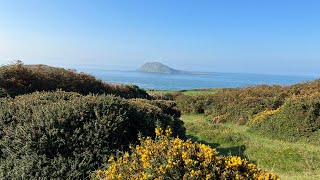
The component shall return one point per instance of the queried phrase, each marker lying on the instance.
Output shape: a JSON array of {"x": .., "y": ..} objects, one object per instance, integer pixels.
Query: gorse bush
[
  {"x": 17, "y": 79},
  {"x": 164, "y": 95},
  {"x": 286, "y": 112},
  {"x": 67, "y": 135},
  {"x": 239, "y": 105},
  {"x": 234, "y": 104},
  {"x": 193, "y": 104},
  {"x": 173, "y": 158},
  {"x": 298, "y": 118}
]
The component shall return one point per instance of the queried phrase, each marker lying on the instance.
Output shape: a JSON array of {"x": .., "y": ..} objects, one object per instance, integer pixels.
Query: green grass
[
  {"x": 202, "y": 91},
  {"x": 187, "y": 92},
  {"x": 160, "y": 91},
  {"x": 289, "y": 160}
]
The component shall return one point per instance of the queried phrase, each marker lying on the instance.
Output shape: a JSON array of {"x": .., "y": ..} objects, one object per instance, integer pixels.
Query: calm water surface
[{"x": 192, "y": 81}]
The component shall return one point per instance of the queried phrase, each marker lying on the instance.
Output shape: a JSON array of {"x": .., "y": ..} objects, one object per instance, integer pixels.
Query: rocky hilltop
[{"x": 157, "y": 67}]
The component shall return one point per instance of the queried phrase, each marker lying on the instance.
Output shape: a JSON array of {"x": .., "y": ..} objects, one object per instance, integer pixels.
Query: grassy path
[{"x": 289, "y": 160}]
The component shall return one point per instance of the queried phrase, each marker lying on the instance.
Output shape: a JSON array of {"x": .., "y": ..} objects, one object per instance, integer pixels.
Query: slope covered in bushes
[
  {"x": 298, "y": 118},
  {"x": 17, "y": 79},
  {"x": 68, "y": 135},
  {"x": 243, "y": 103},
  {"x": 289, "y": 111}
]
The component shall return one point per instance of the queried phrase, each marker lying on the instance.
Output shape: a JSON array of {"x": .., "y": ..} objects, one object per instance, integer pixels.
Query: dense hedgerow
[
  {"x": 233, "y": 105},
  {"x": 17, "y": 79},
  {"x": 239, "y": 105},
  {"x": 163, "y": 95},
  {"x": 193, "y": 104},
  {"x": 67, "y": 135},
  {"x": 286, "y": 112},
  {"x": 173, "y": 158},
  {"x": 297, "y": 118}
]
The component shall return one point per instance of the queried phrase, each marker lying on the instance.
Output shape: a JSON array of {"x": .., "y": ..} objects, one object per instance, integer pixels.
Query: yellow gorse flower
[
  {"x": 264, "y": 114},
  {"x": 173, "y": 158}
]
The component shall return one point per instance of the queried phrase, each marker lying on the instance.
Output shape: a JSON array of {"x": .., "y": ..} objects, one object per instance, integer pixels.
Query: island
[{"x": 157, "y": 67}]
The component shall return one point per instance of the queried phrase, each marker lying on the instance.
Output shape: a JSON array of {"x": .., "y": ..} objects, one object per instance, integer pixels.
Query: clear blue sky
[{"x": 256, "y": 36}]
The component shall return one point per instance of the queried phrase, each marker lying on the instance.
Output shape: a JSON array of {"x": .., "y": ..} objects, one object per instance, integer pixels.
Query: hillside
[
  {"x": 283, "y": 112},
  {"x": 17, "y": 79},
  {"x": 157, "y": 67},
  {"x": 72, "y": 127},
  {"x": 277, "y": 127},
  {"x": 237, "y": 121}
]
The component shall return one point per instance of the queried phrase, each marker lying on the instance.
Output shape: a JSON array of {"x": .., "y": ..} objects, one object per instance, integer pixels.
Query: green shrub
[
  {"x": 20, "y": 79},
  {"x": 166, "y": 107},
  {"x": 193, "y": 104},
  {"x": 285, "y": 112},
  {"x": 66, "y": 135},
  {"x": 164, "y": 95},
  {"x": 239, "y": 105},
  {"x": 298, "y": 118}
]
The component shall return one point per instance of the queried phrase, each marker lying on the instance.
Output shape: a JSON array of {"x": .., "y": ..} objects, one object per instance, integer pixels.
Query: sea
[{"x": 157, "y": 81}]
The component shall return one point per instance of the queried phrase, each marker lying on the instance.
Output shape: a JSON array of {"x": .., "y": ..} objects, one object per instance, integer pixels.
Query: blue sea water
[{"x": 192, "y": 81}]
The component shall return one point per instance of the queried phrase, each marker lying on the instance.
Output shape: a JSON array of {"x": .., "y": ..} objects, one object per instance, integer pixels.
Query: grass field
[
  {"x": 187, "y": 92},
  {"x": 289, "y": 160}
]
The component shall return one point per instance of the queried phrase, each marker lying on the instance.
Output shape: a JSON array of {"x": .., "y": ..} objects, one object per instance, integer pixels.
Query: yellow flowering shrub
[
  {"x": 172, "y": 158},
  {"x": 264, "y": 114},
  {"x": 297, "y": 119}
]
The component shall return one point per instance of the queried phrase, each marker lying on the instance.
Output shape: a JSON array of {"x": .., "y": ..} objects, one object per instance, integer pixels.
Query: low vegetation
[
  {"x": 286, "y": 112},
  {"x": 172, "y": 158},
  {"x": 60, "y": 124},
  {"x": 298, "y": 118},
  {"x": 289, "y": 160},
  {"x": 17, "y": 79},
  {"x": 65, "y": 134},
  {"x": 171, "y": 94},
  {"x": 277, "y": 127}
]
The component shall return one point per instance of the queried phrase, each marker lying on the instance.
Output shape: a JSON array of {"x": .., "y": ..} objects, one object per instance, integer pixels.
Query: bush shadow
[{"x": 224, "y": 151}]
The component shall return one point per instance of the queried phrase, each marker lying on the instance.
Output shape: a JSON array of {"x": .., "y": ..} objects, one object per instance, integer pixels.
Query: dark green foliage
[
  {"x": 298, "y": 118},
  {"x": 20, "y": 79},
  {"x": 67, "y": 135},
  {"x": 164, "y": 95},
  {"x": 193, "y": 104},
  {"x": 168, "y": 108}
]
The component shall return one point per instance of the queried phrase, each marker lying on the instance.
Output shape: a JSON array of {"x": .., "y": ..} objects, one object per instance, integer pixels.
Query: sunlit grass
[
  {"x": 202, "y": 91},
  {"x": 289, "y": 160},
  {"x": 187, "y": 92}
]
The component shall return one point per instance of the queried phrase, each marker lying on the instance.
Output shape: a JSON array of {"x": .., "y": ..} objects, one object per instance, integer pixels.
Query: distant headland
[{"x": 157, "y": 67}]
